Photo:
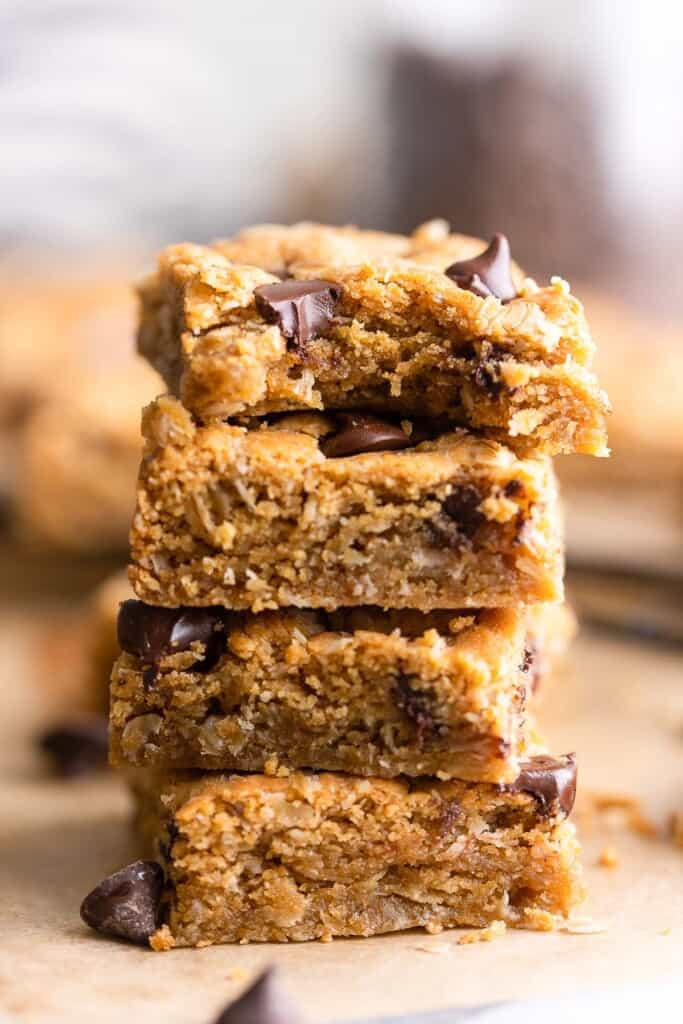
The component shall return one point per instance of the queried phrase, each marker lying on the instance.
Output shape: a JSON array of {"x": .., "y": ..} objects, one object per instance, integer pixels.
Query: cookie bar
[
  {"x": 77, "y": 461},
  {"x": 427, "y": 325},
  {"x": 357, "y": 690},
  {"x": 255, "y": 858},
  {"x": 324, "y": 512}
]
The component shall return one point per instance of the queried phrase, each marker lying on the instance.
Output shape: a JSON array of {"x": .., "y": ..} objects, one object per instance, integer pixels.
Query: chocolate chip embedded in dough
[
  {"x": 460, "y": 518},
  {"x": 550, "y": 780},
  {"x": 416, "y": 706},
  {"x": 152, "y": 633},
  {"x": 264, "y": 1002},
  {"x": 361, "y": 432},
  {"x": 301, "y": 309},
  {"x": 78, "y": 747},
  {"x": 488, "y": 273},
  {"x": 125, "y": 905}
]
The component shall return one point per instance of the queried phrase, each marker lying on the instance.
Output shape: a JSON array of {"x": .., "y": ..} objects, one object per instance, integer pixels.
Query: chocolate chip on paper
[
  {"x": 125, "y": 905},
  {"x": 301, "y": 309},
  {"x": 486, "y": 274},
  {"x": 264, "y": 1002}
]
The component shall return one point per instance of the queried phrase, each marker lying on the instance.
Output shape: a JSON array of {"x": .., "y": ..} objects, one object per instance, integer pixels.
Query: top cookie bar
[{"x": 311, "y": 317}]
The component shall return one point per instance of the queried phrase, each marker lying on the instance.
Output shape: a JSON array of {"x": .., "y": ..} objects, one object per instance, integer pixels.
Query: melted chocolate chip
[
  {"x": 488, "y": 273},
  {"x": 264, "y": 1002},
  {"x": 301, "y": 309},
  {"x": 550, "y": 780},
  {"x": 361, "y": 432},
  {"x": 125, "y": 905},
  {"x": 77, "y": 748},
  {"x": 151, "y": 633},
  {"x": 416, "y": 707}
]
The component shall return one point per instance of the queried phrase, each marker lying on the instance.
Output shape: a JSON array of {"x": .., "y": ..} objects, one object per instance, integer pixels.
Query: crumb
[
  {"x": 608, "y": 857},
  {"x": 237, "y": 974},
  {"x": 494, "y": 931},
  {"x": 627, "y": 809},
  {"x": 433, "y": 929},
  {"x": 583, "y": 926},
  {"x": 162, "y": 939},
  {"x": 434, "y": 947},
  {"x": 539, "y": 920}
]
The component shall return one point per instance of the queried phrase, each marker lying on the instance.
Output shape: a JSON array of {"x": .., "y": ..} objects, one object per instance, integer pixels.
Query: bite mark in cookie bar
[
  {"x": 260, "y": 518},
  {"x": 314, "y": 856},
  {"x": 362, "y": 691},
  {"x": 413, "y": 334}
]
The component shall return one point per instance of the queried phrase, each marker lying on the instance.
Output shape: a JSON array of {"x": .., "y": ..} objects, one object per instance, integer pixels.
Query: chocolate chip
[
  {"x": 460, "y": 517},
  {"x": 301, "y": 309},
  {"x": 513, "y": 488},
  {"x": 151, "y": 633},
  {"x": 264, "y": 1002},
  {"x": 78, "y": 747},
  {"x": 125, "y": 905},
  {"x": 550, "y": 780},
  {"x": 462, "y": 505},
  {"x": 488, "y": 273},
  {"x": 361, "y": 432},
  {"x": 416, "y": 707}
]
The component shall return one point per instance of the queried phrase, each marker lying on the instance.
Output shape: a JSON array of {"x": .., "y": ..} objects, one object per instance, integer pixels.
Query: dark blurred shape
[
  {"x": 78, "y": 747},
  {"x": 501, "y": 148}
]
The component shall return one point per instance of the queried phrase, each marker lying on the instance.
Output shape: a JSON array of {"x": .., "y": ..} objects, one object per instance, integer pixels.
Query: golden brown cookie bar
[
  {"x": 263, "y": 518},
  {"x": 357, "y": 690},
  {"x": 363, "y": 322},
  {"x": 256, "y": 858},
  {"x": 77, "y": 461}
]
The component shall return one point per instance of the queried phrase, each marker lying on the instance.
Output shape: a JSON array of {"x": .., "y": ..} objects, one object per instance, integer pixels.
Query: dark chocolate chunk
[
  {"x": 416, "y": 706},
  {"x": 301, "y": 309},
  {"x": 78, "y": 747},
  {"x": 151, "y": 633},
  {"x": 550, "y": 780},
  {"x": 362, "y": 432},
  {"x": 125, "y": 905},
  {"x": 264, "y": 1002},
  {"x": 488, "y": 273}
]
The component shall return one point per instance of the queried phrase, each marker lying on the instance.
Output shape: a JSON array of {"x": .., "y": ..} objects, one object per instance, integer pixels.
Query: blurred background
[{"x": 125, "y": 126}]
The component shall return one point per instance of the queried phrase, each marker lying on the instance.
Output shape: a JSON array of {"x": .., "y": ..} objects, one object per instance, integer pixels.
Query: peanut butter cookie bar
[
  {"x": 435, "y": 324},
  {"x": 358, "y": 690},
  {"x": 255, "y": 858},
  {"x": 331, "y": 511}
]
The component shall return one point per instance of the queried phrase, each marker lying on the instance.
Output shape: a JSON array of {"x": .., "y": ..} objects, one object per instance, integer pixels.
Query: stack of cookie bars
[{"x": 348, "y": 559}]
